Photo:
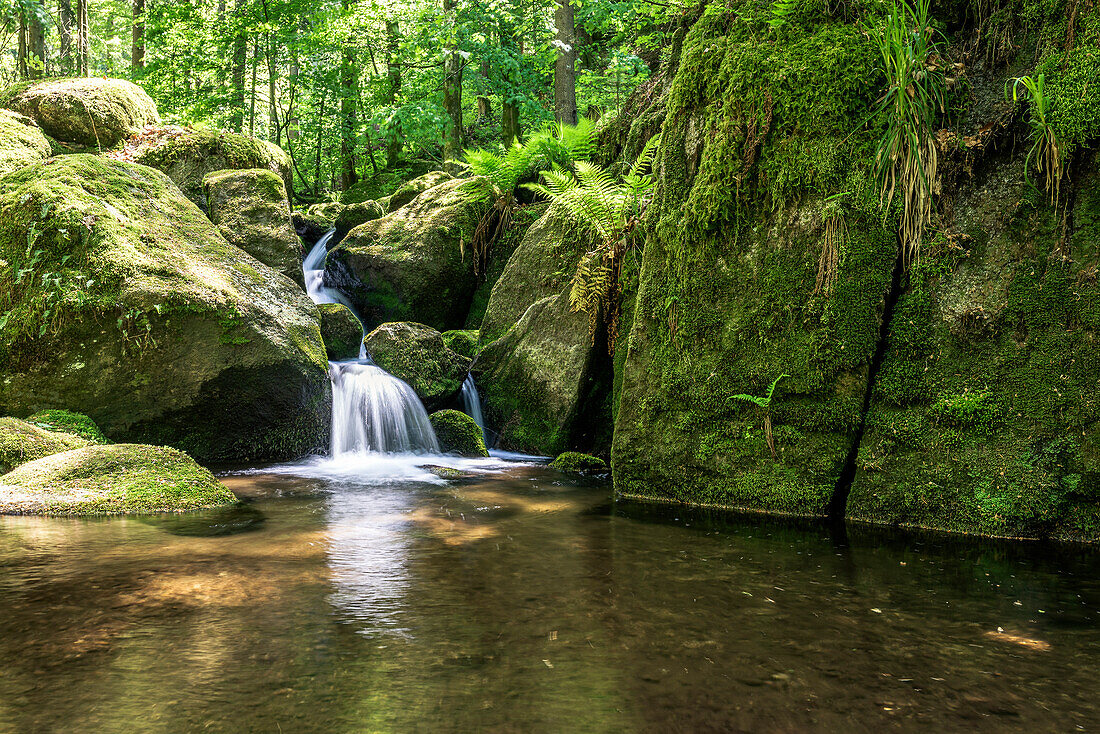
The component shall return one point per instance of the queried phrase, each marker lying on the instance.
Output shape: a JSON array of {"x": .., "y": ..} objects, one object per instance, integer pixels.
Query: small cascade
[
  {"x": 471, "y": 403},
  {"x": 372, "y": 411}
]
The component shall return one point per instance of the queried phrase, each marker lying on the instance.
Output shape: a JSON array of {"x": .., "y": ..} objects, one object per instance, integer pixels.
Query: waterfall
[
  {"x": 372, "y": 411},
  {"x": 471, "y": 402}
]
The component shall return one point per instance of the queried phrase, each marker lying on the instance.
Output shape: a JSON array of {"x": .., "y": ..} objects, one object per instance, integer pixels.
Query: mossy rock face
[
  {"x": 458, "y": 433},
  {"x": 21, "y": 142},
  {"x": 352, "y": 215},
  {"x": 250, "y": 209},
  {"x": 573, "y": 462},
  {"x": 340, "y": 330},
  {"x": 414, "y": 188},
  {"x": 536, "y": 377},
  {"x": 188, "y": 154},
  {"x": 139, "y": 314},
  {"x": 23, "y": 441},
  {"x": 410, "y": 265},
  {"x": 67, "y": 421},
  {"x": 462, "y": 342},
  {"x": 542, "y": 265},
  {"x": 89, "y": 111},
  {"x": 986, "y": 412},
  {"x": 312, "y": 223},
  {"x": 111, "y": 480},
  {"x": 416, "y": 354}
]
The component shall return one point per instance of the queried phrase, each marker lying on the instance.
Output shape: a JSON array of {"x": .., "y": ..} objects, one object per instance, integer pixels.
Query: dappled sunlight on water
[{"x": 514, "y": 599}]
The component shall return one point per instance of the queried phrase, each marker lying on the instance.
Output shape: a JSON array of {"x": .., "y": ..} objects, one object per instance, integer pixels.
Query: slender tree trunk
[
  {"x": 252, "y": 88},
  {"x": 238, "y": 67},
  {"x": 21, "y": 53},
  {"x": 83, "y": 41},
  {"x": 222, "y": 73},
  {"x": 509, "y": 115},
  {"x": 393, "y": 74},
  {"x": 349, "y": 97},
  {"x": 137, "y": 47},
  {"x": 272, "y": 98},
  {"x": 65, "y": 23},
  {"x": 452, "y": 92},
  {"x": 565, "y": 79},
  {"x": 36, "y": 47},
  {"x": 320, "y": 138}
]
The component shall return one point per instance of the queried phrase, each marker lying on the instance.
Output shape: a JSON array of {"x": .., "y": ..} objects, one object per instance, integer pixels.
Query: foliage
[
  {"x": 764, "y": 403},
  {"x": 1045, "y": 153},
  {"x": 907, "y": 159}
]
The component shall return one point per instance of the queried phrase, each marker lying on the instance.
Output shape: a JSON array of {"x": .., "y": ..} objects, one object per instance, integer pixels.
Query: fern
[{"x": 764, "y": 403}]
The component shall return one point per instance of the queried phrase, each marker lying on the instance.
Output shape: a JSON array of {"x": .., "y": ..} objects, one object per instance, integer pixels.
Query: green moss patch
[
  {"x": 458, "y": 434},
  {"x": 21, "y": 142},
  {"x": 573, "y": 462},
  {"x": 67, "y": 421},
  {"x": 23, "y": 441},
  {"x": 418, "y": 355}
]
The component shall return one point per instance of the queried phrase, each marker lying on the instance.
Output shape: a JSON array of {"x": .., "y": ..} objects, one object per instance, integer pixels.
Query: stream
[{"x": 341, "y": 599}]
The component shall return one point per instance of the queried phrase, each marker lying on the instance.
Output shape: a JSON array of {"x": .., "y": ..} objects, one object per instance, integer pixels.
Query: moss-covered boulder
[
  {"x": 139, "y": 314},
  {"x": 111, "y": 480},
  {"x": 416, "y": 354},
  {"x": 352, "y": 215},
  {"x": 21, "y": 142},
  {"x": 461, "y": 341},
  {"x": 312, "y": 223},
  {"x": 187, "y": 154},
  {"x": 67, "y": 421},
  {"x": 412, "y": 265},
  {"x": 573, "y": 462},
  {"x": 250, "y": 209},
  {"x": 986, "y": 412},
  {"x": 23, "y": 441},
  {"x": 87, "y": 110},
  {"x": 412, "y": 189},
  {"x": 458, "y": 433},
  {"x": 340, "y": 330}
]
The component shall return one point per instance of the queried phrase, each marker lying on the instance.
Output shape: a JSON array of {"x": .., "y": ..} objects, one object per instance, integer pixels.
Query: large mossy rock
[
  {"x": 250, "y": 209},
  {"x": 411, "y": 265},
  {"x": 340, "y": 330},
  {"x": 414, "y": 188},
  {"x": 352, "y": 215},
  {"x": 416, "y": 354},
  {"x": 461, "y": 341},
  {"x": 986, "y": 412},
  {"x": 139, "y": 314},
  {"x": 312, "y": 223},
  {"x": 66, "y": 421},
  {"x": 23, "y": 441},
  {"x": 187, "y": 155},
  {"x": 89, "y": 111},
  {"x": 111, "y": 480},
  {"x": 21, "y": 142},
  {"x": 573, "y": 462},
  {"x": 458, "y": 434}
]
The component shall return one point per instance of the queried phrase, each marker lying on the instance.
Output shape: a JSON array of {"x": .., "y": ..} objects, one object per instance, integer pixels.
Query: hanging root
[{"x": 836, "y": 232}]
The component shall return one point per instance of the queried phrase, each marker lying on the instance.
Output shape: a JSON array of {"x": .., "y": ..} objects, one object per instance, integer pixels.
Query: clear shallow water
[{"x": 519, "y": 601}]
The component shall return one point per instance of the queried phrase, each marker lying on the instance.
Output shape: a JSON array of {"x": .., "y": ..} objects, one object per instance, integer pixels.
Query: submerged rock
[
  {"x": 458, "y": 433},
  {"x": 22, "y": 441},
  {"x": 415, "y": 187},
  {"x": 150, "y": 322},
  {"x": 340, "y": 330},
  {"x": 411, "y": 265},
  {"x": 352, "y": 215},
  {"x": 87, "y": 110},
  {"x": 572, "y": 462},
  {"x": 416, "y": 354},
  {"x": 250, "y": 209},
  {"x": 188, "y": 154},
  {"x": 21, "y": 142},
  {"x": 111, "y": 480}
]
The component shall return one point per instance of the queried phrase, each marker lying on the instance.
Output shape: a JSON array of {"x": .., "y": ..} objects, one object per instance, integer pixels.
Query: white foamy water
[{"x": 374, "y": 412}]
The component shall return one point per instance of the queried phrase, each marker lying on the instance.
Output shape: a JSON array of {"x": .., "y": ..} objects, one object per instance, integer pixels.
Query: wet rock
[
  {"x": 458, "y": 433},
  {"x": 417, "y": 354},
  {"x": 573, "y": 462},
  {"x": 340, "y": 330}
]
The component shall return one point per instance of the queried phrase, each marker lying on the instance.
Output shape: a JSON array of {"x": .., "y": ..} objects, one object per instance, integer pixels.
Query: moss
[
  {"x": 340, "y": 330},
  {"x": 457, "y": 433},
  {"x": 23, "y": 441},
  {"x": 352, "y": 215},
  {"x": 67, "y": 421},
  {"x": 572, "y": 462},
  {"x": 87, "y": 110},
  {"x": 410, "y": 190},
  {"x": 380, "y": 186},
  {"x": 111, "y": 480},
  {"x": 418, "y": 355},
  {"x": 21, "y": 142},
  {"x": 461, "y": 342}
]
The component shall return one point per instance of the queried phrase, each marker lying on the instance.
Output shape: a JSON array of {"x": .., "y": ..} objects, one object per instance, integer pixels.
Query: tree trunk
[
  {"x": 565, "y": 79},
  {"x": 349, "y": 125},
  {"x": 452, "y": 91},
  {"x": 252, "y": 87},
  {"x": 272, "y": 98},
  {"x": 83, "y": 41},
  {"x": 21, "y": 53},
  {"x": 137, "y": 47},
  {"x": 65, "y": 23},
  {"x": 239, "y": 64},
  {"x": 393, "y": 74},
  {"x": 509, "y": 113}
]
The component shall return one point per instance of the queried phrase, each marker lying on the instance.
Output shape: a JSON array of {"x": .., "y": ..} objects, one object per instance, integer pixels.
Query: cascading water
[
  {"x": 372, "y": 411},
  {"x": 471, "y": 402}
]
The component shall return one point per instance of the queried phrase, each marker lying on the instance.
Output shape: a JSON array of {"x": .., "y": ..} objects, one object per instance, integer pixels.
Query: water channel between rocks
[{"x": 518, "y": 600}]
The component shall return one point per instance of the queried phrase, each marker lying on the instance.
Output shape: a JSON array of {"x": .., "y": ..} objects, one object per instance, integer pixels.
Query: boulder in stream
[
  {"x": 417, "y": 354},
  {"x": 111, "y": 480},
  {"x": 23, "y": 441},
  {"x": 458, "y": 433},
  {"x": 340, "y": 330},
  {"x": 87, "y": 110},
  {"x": 139, "y": 314}
]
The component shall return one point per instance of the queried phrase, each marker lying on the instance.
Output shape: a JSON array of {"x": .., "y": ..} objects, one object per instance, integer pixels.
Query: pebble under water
[{"x": 518, "y": 600}]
